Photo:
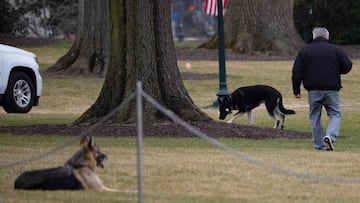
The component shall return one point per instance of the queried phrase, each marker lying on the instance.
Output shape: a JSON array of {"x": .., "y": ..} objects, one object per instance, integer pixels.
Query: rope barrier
[{"x": 236, "y": 153}]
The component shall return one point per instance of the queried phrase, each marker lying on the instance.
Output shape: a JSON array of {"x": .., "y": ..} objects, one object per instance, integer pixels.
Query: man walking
[{"x": 318, "y": 66}]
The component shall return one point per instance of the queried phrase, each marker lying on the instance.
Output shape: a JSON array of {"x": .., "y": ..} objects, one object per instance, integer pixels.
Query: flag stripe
[{"x": 211, "y": 7}]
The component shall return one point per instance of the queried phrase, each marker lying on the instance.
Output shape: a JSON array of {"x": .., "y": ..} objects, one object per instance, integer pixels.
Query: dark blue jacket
[{"x": 319, "y": 65}]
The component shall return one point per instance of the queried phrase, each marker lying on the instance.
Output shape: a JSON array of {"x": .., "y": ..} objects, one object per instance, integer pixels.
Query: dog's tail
[{"x": 282, "y": 108}]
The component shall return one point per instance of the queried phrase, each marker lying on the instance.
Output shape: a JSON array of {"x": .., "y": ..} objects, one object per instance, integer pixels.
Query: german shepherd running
[
  {"x": 245, "y": 99},
  {"x": 77, "y": 173}
]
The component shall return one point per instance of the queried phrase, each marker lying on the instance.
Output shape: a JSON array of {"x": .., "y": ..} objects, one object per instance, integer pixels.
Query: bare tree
[
  {"x": 141, "y": 48},
  {"x": 259, "y": 26},
  {"x": 39, "y": 18},
  {"x": 89, "y": 53},
  {"x": 63, "y": 17}
]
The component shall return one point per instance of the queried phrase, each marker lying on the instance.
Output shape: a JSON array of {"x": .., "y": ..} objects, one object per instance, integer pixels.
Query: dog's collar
[
  {"x": 236, "y": 106},
  {"x": 73, "y": 166},
  {"x": 231, "y": 107},
  {"x": 67, "y": 166}
]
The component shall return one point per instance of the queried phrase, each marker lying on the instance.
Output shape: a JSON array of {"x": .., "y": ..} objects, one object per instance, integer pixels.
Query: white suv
[{"x": 20, "y": 80}]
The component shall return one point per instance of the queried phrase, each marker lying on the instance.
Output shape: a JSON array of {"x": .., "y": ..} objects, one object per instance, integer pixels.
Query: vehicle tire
[{"x": 20, "y": 93}]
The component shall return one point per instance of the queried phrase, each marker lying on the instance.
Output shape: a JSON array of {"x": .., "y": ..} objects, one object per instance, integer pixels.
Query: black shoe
[{"x": 329, "y": 143}]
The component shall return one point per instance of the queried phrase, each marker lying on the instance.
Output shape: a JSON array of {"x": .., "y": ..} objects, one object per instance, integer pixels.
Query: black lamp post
[{"x": 222, "y": 68}]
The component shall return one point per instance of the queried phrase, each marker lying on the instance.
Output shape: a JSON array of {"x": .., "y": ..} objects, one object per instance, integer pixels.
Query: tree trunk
[
  {"x": 89, "y": 53},
  {"x": 142, "y": 49},
  {"x": 265, "y": 26}
]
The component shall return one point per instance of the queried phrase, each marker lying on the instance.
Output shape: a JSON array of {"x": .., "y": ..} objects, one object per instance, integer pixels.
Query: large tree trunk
[
  {"x": 89, "y": 53},
  {"x": 142, "y": 49},
  {"x": 265, "y": 26}
]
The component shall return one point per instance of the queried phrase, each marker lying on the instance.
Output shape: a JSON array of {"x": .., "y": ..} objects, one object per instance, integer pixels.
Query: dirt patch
[{"x": 212, "y": 129}]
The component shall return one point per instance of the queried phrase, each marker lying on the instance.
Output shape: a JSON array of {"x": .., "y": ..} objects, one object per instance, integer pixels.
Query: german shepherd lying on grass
[
  {"x": 245, "y": 99},
  {"x": 77, "y": 173}
]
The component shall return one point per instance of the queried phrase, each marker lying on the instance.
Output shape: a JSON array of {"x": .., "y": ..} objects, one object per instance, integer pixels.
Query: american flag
[{"x": 211, "y": 7}]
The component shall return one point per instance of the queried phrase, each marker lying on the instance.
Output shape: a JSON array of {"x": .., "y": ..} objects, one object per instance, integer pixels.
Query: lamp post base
[{"x": 221, "y": 94}]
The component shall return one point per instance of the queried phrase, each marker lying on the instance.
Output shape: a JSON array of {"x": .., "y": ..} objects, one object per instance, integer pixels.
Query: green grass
[{"x": 190, "y": 169}]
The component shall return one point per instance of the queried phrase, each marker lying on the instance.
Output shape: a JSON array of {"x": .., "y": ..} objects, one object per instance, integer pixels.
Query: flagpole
[{"x": 221, "y": 49}]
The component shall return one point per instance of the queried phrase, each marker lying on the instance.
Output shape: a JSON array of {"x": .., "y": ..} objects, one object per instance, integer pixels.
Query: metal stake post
[{"x": 139, "y": 124}]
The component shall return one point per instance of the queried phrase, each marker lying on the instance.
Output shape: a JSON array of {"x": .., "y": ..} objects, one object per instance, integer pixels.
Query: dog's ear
[
  {"x": 220, "y": 100},
  {"x": 91, "y": 142},
  {"x": 224, "y": 100},
  {"x": 87, "y": 141},
  {"x": 227, "y": 100},
  {"x": 84, "y": 139}
]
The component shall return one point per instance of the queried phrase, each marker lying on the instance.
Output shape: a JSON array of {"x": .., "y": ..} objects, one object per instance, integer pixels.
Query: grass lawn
[{"x": 190, "y": 169}]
